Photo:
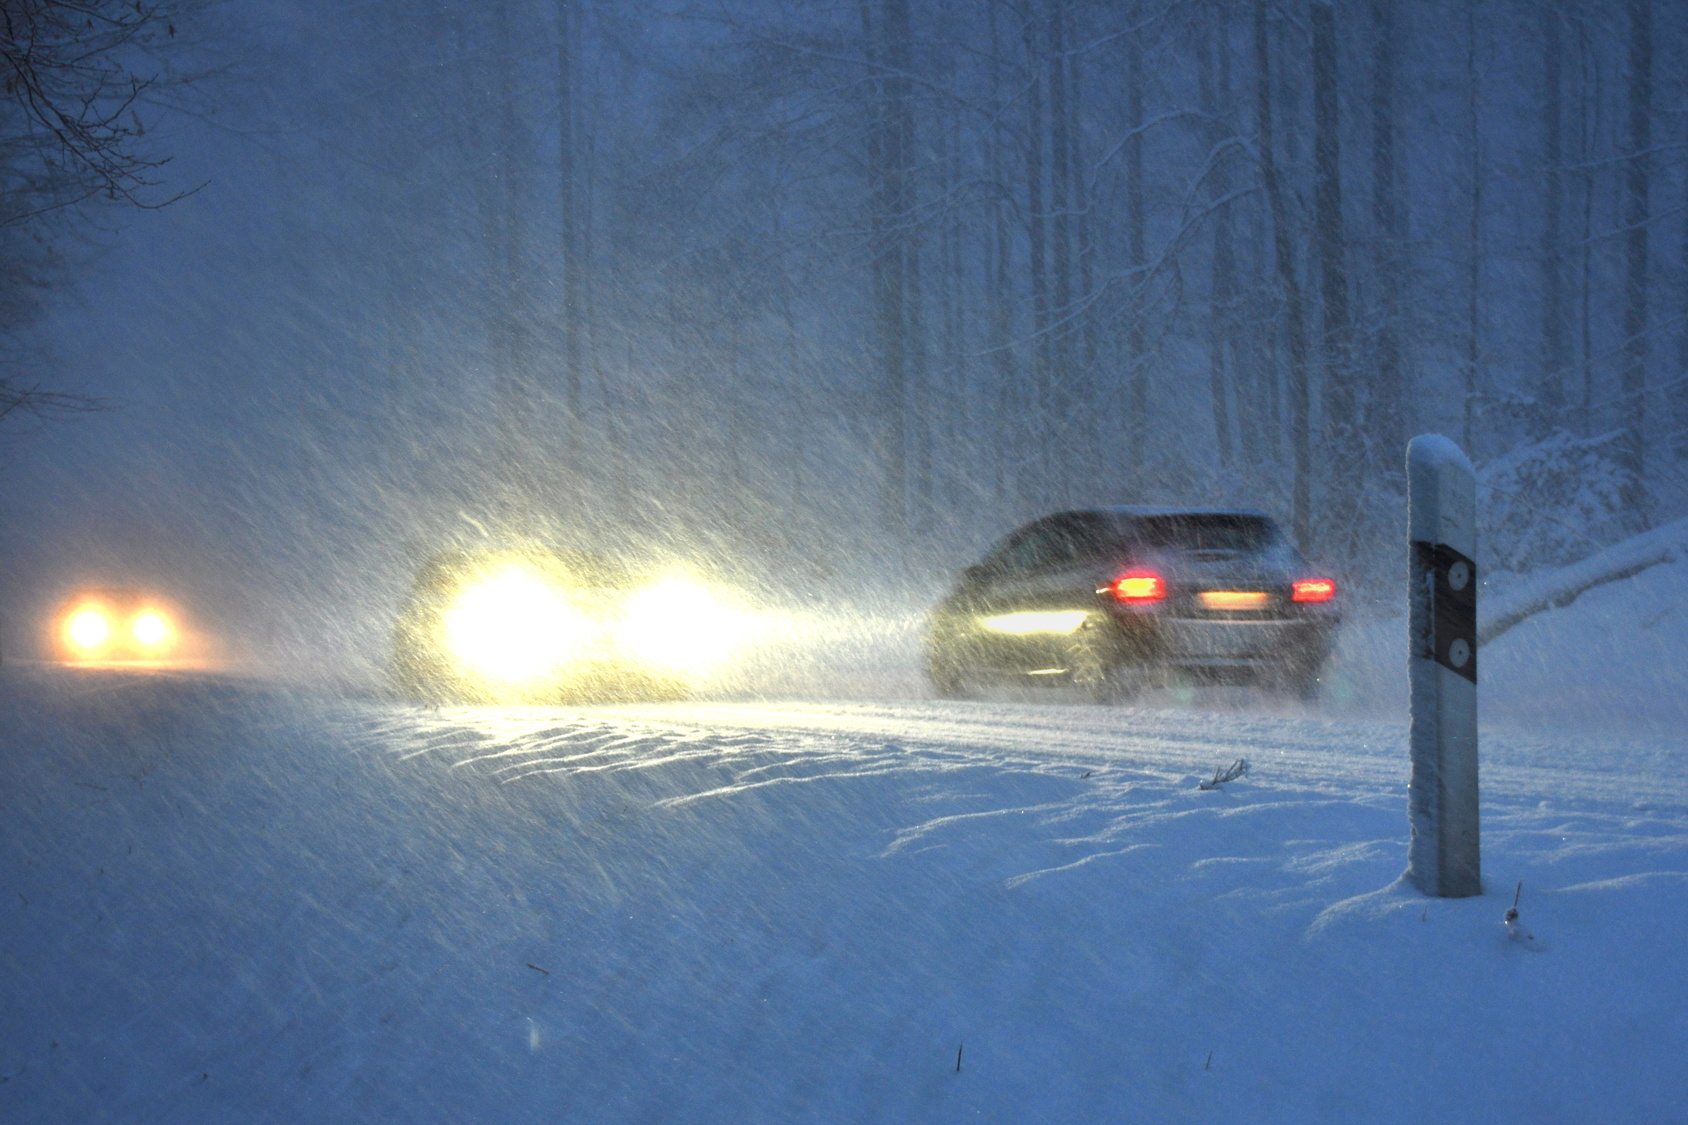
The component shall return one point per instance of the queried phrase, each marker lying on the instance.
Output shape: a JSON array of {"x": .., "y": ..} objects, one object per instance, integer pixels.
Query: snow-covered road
[
  {"x": 230, "y": 899},
  {"x": 1284, "y": 745}
]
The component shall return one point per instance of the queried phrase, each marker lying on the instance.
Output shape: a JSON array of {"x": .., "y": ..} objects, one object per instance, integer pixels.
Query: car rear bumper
[{"x": 1238, "y": 646}]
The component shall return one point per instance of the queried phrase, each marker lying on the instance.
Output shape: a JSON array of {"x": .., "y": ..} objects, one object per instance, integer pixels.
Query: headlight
[
  {"x": 152, "y": 630},
  {"x": 116, "y": 625},
  {"x": 679, "y": 625},
  {"x": 1057, "y": 622},
  {"x": 513, "y": 627},
  {"x": 87, "y": 629}
]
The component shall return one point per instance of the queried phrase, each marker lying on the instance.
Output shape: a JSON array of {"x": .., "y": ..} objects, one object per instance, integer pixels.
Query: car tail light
[
  {"x": 1312, "y": 590},
  {"x": 1138, "y": 586}
]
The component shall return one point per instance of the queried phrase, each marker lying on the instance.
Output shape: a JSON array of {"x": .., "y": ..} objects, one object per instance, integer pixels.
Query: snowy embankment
[{"x": 228, "y": 901}]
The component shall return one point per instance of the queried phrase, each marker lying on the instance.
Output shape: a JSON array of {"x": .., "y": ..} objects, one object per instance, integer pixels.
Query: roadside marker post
[{"x": 1444, "y": 856}]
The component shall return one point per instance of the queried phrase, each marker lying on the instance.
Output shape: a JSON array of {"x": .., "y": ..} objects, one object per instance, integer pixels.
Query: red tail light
[
  {"x": 1138, "y": 586},
  {"x": 1312, "y": 590}
]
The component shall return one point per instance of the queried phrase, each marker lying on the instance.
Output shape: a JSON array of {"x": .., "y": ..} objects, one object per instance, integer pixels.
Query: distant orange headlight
[
  {"x": 152, "y": 630},
  {"x": 115, "y": 625},
  {"x": 88, "y": 629}
]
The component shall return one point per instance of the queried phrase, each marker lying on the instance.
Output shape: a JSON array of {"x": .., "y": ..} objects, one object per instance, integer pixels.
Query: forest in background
[{"x": 855, "y": 287}]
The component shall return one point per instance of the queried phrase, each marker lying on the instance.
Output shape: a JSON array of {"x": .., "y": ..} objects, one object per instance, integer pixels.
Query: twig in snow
[
  {"x": 1208, "y": 1065},
  {"x": 537, "y": 969},
  {"x": 1515, "y": 931},
  {"x": 958, "y": 1051},
  {"x": 1237, "y": 769}
]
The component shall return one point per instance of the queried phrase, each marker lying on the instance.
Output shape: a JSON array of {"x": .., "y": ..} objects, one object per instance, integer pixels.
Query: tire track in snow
[
  {"x": 1058, "y": 788},
  {"x": 1338, "y": 754},
  {"x": 1123, "y": 777}
]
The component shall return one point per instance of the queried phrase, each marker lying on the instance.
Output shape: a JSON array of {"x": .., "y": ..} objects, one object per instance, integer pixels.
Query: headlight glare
[
  {"x": 679, "y": 625},
  {"x": 151, "y": 629},
  {"x": 513, "y": 627},
  {"x": 88, "y": 629}
]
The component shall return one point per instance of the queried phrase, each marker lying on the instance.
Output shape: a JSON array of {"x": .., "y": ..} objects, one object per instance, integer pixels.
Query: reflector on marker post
[{"x": 1444, "y": 856}]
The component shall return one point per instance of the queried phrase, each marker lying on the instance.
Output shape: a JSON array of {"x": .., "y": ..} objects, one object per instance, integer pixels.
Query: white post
[{"x": 1444, "y": 857}]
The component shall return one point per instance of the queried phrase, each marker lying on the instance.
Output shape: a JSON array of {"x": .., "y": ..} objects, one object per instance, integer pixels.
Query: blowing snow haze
[
  {"x": 841, "y": 295},
  {"x": 322, "y": 324}
]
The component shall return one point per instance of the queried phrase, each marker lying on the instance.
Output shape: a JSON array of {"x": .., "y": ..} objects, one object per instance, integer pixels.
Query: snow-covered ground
[{"x": 231, "y": 900}]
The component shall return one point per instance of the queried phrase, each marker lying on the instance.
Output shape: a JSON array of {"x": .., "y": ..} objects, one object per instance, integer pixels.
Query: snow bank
[{"x": 229, "y": 902}]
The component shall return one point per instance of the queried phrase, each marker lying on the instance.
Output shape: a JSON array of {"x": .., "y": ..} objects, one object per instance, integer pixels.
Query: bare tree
[
  {"x": 18, "y": 399},
  {"x": 73, "y": 82},
  {"x": 75, "y": 76}
]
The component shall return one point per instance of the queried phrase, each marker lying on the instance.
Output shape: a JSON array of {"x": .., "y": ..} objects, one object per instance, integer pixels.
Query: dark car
[
  {"x": 532, "y": 624},
  {"x": 1110, "y": 599}
]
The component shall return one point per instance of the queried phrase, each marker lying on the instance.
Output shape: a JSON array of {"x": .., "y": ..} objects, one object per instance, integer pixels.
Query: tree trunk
[
  {"x": 517, "y": 468},
  {"x": 1474, "y": 240},
  {"x": 573, "y": 265},
  {"x": 1043, "y": 401},
  {"x": 1295, "y": 316},
  {"x": 1633, "y": 449},
  {"x": 1010, "y": 414},
  {"x": 886, "y": 271},
  {"x": 1389, "y": 422},
  {"x": 1222, "y": 311},
  {"x": 953, "y": 406},
  {"x": 917, "y": 388},
  {"x": 1136, "y": 333},
  {"x": 1679, "y": 397},
  {"x": 1345, "y": 465},
  {"x": 1588, "y": 109},
  {"x": 1084, "y": 233},
  {"x": 1066, "y": 400},
  {"x": 1555, "y": 346}
]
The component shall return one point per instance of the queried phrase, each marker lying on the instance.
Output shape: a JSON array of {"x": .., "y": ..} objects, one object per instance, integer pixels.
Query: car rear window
[{"x": 1233, "y": 534}]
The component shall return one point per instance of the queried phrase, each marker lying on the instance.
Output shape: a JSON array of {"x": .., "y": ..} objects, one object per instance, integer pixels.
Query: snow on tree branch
[{"x": 1558, "y": 588}]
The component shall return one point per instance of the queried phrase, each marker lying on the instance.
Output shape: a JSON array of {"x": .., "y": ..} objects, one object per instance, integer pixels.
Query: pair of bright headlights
[
  {"x": 515, "y": 627},
  {"x": 94, "y": 630}
]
